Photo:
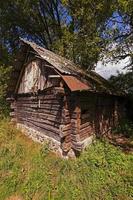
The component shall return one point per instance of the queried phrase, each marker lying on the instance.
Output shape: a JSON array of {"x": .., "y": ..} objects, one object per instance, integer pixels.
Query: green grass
[{"x": 29, "y": 170}]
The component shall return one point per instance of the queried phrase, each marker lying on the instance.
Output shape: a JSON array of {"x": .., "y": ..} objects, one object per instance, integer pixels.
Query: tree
[
  {"x": 123, "y": 82},
  {"x": 81, "y": 30},
  {"x": 38, "y": 20},
  {"x": 71, "y": 28},
  {"x": 118, "y": 33},
  {"x": 88, "y": 21}
]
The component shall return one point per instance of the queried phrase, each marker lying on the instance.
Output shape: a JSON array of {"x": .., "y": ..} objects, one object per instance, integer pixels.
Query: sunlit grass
[{"x": 29, "y": 170}]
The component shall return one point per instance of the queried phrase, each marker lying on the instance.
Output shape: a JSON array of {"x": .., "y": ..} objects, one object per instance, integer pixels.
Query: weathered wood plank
[
  {"x": 84, "y": 125},
  {"x": 54, "y": 112},
  {"x": 40, "y": 115},
  {"x": 46, "y": 132}
]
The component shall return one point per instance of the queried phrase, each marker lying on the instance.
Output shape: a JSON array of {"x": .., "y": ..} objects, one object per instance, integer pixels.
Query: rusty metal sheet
[{"x": 74, "y": 84}]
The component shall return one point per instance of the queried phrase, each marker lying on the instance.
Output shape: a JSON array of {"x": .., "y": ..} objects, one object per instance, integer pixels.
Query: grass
[{"x": 29, "y": 170}]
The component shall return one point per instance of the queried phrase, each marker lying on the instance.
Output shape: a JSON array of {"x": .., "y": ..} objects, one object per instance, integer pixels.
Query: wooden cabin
[{"x": 53, "y": 99}]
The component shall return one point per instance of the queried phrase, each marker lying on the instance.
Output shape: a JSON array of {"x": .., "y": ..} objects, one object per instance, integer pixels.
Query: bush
[
  {"x": 4, "y": 108},
  {"x": 4, "y": 80},
  {"x": 125, "y": 127}
]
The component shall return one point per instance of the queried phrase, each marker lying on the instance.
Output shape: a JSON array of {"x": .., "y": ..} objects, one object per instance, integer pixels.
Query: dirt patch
[
  {"x": 125, "y": 143},
  {"x": 15, "y": 198}
]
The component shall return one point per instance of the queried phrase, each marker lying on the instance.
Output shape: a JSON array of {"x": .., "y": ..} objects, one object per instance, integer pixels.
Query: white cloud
[{"x": 111, "y": 68}]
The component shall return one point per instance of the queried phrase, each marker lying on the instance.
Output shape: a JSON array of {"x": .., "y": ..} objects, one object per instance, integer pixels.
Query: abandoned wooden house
[{"x": 52, "y": 98}]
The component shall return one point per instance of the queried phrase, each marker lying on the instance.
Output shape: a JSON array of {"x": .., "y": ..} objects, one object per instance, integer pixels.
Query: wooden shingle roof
[
  {"x": 73, "y": 75},
  {"x": 60, "y": 63}
]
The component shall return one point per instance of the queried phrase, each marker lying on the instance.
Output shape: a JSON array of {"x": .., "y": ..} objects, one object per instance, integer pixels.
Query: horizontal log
[
  {"x": 42, "y": 112},
  {"x": 45, "y": 122},
  {"x": 39, "y": 96},
  {"x": 42, "y": 97},
  {"x": 40, "y": 115},
  {"x": 88, "y": 131},
  {"x": 43, "y": 115},
  {"x": 52, "y": 102},
  {"x": 84, "y": 134},
  {"x": 86, "y": 128},
  {"x": 41, "y": 130},
  {"x": 84, "y": 125},
  {"x": 44, "y": 125},
  {"x": 65, "y": 128},
  {"x": 51, "y": 111},
  {"x": 41, "y": 106},
  {"x": 83, "y": 137}
]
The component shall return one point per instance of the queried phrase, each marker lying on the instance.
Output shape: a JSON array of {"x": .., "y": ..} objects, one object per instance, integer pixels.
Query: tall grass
[{"x": 29, "y": 170}]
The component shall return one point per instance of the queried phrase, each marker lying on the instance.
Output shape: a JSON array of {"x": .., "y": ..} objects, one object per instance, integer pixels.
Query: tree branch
[{"x": 123, "y": 35}]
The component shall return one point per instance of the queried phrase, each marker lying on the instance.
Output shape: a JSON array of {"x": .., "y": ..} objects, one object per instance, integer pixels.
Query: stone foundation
[
  {"x": 53, "y": 144},
  {"x": 37, "y": 136}
]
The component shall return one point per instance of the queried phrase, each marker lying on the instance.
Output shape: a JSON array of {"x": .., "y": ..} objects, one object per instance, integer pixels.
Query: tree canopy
[
  {"x": 123, "y": 82},
  {"x": 119, "y": 32},
  {"x": 81, "y": 30},
  {"x": 71, "y": 28}
]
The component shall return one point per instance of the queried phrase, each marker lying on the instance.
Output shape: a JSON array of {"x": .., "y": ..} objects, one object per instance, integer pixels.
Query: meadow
[{"x": 30, "y": 171}]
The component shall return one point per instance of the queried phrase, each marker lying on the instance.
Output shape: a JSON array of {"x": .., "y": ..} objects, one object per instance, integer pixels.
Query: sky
[{"x": 111, "y": 68}]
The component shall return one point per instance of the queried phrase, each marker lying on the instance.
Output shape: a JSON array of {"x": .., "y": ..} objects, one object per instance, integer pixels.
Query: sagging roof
[
  {"x": 60, "y": 63},
  {"x": 74, "y": 76},
  {"x": 74, "y": 84}
]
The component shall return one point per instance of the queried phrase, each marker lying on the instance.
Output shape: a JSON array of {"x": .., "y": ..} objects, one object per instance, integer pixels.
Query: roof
[
  {"x": 74, "y": 84},
  {"x": 74, "y": 76},
  {"x": 60, "y": 63}
]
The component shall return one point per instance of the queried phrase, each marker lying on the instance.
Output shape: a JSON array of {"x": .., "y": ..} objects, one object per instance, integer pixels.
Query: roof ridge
[
  {"x": 67, "y": 67},
  {"x": 54, "y": 54}
]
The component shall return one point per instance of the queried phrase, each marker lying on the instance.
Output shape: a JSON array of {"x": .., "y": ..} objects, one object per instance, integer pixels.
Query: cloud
[{"x": 111, "y": 68}]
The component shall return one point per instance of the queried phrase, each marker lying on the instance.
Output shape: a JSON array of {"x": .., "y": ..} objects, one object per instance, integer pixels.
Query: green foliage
[
  {"x": 71, "y": 28},
  {"x": 123, "y": 82},
  {"x": 27, "y": 169},
  {"x": 119, "y": 34},
  {"x": 81, "y": 30},
  {"x": 89, "y": 18},
  {"x": 125, "y": 127},
  {"x": 4, "y": 80}
]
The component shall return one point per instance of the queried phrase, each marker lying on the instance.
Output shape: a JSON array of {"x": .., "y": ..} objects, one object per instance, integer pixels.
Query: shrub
[
  {"x": 125, "y": 127},
  {"x": 4, "y": 80}
]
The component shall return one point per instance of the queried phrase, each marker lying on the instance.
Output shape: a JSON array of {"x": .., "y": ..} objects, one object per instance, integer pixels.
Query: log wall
[
  {"x": 43, "y": 112},
  {"x": 68, "y": 118},
  {"x": 99, "y": 114}
]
